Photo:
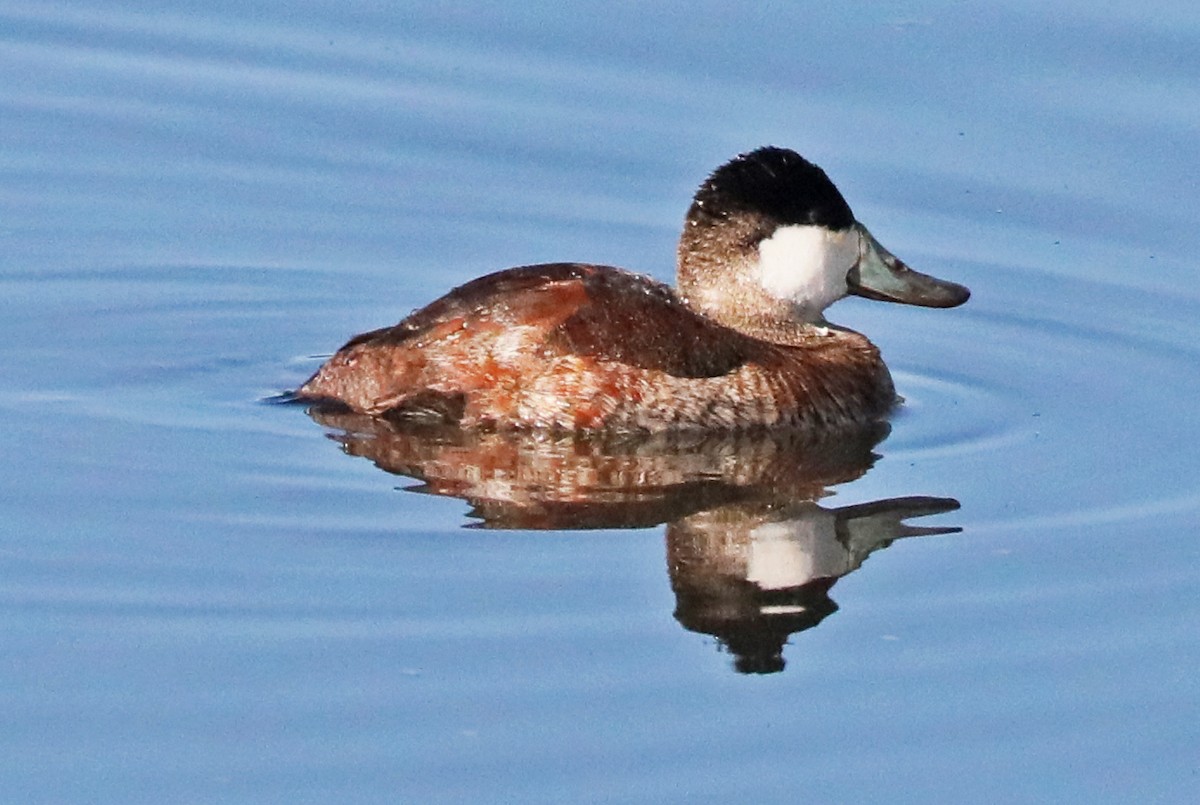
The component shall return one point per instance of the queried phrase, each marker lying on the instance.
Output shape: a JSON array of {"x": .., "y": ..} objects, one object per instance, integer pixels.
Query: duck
[{"x": 740, "y": 343}]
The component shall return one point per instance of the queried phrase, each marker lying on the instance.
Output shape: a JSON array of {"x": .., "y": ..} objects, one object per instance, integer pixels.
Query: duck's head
[{"x": 769, "y": 242}]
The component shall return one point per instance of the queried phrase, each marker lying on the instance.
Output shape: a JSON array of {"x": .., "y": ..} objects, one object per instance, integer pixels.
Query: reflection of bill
[
  {"x": 750, "y": 554},
  {"x": 753, "y": 574}
]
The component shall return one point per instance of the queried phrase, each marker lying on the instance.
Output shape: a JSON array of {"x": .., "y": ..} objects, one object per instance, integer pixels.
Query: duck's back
[{"x": 573, "y": 346}]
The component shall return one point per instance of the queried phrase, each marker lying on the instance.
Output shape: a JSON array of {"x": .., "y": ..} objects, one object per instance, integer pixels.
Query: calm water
[{"x": 208, "y": 598}]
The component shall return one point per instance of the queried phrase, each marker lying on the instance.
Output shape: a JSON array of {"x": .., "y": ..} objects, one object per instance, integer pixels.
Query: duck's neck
[{"x": 726, "y": 289}]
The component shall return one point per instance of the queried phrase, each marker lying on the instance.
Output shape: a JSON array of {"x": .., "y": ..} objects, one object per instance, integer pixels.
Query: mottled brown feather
[{"x": 573, "y": 346}]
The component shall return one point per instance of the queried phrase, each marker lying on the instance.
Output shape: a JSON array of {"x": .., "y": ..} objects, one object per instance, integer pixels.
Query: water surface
[{"x": 210, "y": 598}]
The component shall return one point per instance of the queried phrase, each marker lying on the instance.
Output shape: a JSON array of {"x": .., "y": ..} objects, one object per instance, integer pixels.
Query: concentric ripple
[{"x": 1071, "y": 411}]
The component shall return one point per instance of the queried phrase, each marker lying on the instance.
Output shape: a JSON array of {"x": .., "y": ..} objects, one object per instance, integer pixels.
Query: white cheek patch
[{"x": 807, "y": 265}]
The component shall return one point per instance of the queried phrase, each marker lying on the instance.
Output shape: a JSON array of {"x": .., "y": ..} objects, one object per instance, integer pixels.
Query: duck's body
[
  {"x": 768, "y": 244},
  {"x": 571, "y": 346}
]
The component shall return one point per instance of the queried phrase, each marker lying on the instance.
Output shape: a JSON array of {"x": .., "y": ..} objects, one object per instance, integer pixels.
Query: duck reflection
[
  {"x": 751, "y": 554},
  {"x": 752, "y": 574}
]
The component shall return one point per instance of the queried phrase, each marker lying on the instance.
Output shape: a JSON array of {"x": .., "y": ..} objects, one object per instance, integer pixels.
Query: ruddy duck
[{"x": 767, "y": 245}]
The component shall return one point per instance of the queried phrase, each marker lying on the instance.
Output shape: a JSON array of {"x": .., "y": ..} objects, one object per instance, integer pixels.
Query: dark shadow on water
[{"x": 751, "y": 554}]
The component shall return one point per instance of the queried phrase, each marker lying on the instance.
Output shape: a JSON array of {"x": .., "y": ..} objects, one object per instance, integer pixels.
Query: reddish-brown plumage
[
  {"x": 571, "y": 346},
  {"x": 767, "y": 245}
]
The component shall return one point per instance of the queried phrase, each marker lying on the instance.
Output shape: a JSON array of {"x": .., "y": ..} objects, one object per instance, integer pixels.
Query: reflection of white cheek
[{"x": 794, "y": 552}]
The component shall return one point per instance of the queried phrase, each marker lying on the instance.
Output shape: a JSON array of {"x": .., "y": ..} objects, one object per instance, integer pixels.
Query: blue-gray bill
[{"x": 881, "y": 275}]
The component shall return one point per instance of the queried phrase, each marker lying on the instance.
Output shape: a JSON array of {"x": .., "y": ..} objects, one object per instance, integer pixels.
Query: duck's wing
[
  {"x": 640, "y": 323},
  {"x": 495, "y": 331}
]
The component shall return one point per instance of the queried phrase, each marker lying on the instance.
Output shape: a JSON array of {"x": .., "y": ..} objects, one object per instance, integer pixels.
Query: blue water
[{"x": 207, "y": 598}]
